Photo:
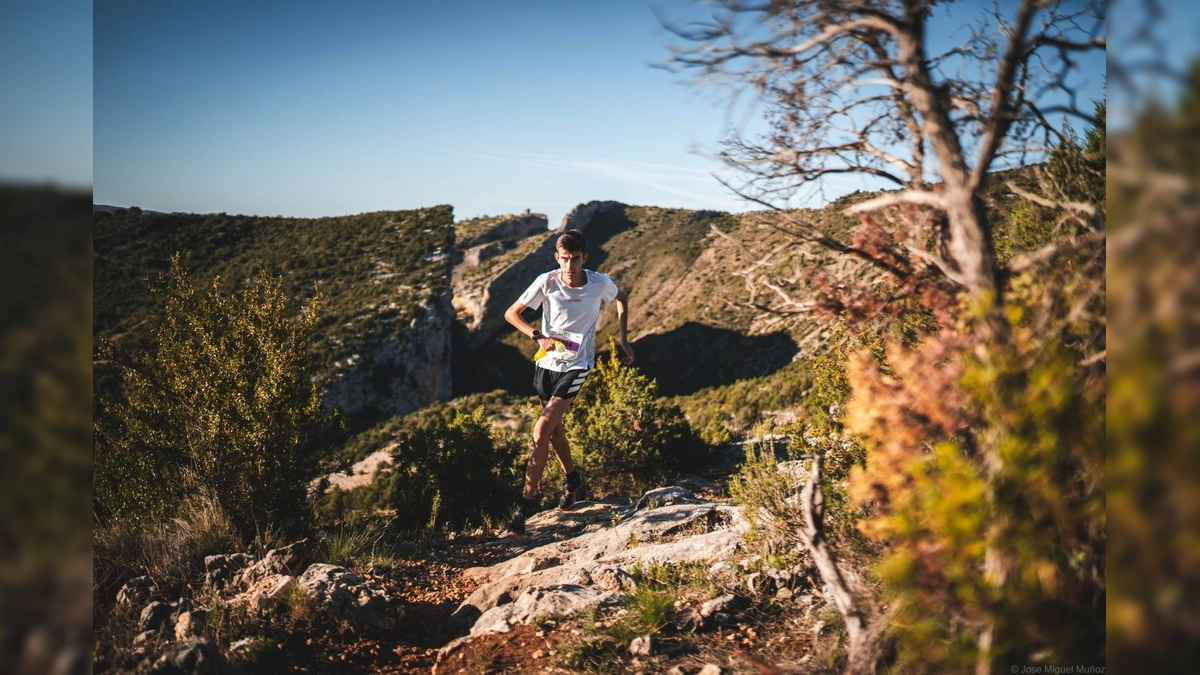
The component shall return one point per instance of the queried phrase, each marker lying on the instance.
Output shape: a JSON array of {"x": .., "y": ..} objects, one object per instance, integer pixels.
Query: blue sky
[
  {"x": 312, "y": 109},
  {"x": 326, "y": 108},
  {"x": 46, "y": 93}
]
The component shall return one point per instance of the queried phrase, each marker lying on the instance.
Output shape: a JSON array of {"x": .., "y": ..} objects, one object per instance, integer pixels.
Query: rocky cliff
[{"x": 401, "y": 374}]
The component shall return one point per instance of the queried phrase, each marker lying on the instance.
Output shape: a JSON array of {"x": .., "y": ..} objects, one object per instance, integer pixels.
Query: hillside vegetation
[
  {"x": 376, "y": 270},
  {"x": 740, "y": 329}
]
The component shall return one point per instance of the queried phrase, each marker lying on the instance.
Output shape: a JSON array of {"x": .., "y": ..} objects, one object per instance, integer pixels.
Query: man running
[{"x": 570, "y": 299}]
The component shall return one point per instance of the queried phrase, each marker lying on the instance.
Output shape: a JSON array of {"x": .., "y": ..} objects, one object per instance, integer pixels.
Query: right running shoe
[{"x": 572, "y": 496}]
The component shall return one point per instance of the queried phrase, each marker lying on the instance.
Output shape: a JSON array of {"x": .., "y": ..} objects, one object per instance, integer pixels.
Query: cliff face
[
  {"x": 401, "y": 374},
  {"x": 488, "y": 250}
]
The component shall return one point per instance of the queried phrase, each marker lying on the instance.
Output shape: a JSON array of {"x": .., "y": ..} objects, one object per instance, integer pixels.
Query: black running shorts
[{"x": 551, "y": 383}]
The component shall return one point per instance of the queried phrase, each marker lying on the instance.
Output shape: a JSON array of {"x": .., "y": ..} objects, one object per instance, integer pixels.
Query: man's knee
[{"x": 542, "y": 434}]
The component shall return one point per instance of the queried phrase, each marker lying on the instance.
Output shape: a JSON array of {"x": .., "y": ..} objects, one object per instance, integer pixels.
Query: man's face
[{"x": 570, "y": 263}]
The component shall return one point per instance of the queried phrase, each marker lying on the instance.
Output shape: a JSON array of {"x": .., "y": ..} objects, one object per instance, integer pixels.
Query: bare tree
[{"x": 862, "y": 87}]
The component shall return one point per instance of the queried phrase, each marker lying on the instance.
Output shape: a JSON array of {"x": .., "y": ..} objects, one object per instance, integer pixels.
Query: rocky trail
[{"x": 662, "y": 584}]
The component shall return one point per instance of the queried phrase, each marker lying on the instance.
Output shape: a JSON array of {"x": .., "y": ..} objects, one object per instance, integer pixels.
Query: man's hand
[
  {"x": 547, "y": 343},
  {"x": 627, "y": 356}
]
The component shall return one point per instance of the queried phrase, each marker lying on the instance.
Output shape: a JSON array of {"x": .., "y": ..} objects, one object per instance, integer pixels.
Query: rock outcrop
[
  {"x": 581, "y": 216},
  {"x": 360, "y": 603},
  {"x": 580, "y": 558},
  {"x": 505, "y": 230},
  {"x": 197, "y": 656},
  {"x": 404, "y": 373}
]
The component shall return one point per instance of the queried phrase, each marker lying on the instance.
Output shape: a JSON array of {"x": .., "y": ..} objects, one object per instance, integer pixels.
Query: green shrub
[
  {"x": 443, "y": 475},
  {"x": 629, "y": 439},
  {"x": 766, "y": 494},
  {"x": 225, "y": 407}
]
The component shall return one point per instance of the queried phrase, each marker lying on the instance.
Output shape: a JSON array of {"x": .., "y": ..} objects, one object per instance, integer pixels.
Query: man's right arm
[{"x": 513, "y": 316}]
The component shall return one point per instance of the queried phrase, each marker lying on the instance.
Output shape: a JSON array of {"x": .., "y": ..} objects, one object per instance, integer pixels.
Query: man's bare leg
[
  {"x": 547, "y": 431},
  {"x": 562, "y": 447}
]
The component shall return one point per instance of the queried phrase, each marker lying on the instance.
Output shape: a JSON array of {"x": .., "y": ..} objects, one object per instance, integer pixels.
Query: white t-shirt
[{"x": 569, "y": 316}]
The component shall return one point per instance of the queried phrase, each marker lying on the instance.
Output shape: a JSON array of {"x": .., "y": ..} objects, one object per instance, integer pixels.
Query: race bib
[{"x": 565, "y": 351}]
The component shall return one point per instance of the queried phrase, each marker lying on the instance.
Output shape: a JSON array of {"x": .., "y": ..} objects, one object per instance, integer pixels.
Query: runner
[{"x": 570, "y": 299}]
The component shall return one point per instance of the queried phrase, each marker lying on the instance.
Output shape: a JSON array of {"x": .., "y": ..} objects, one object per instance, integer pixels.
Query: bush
[
  {"x": 226, "y": 407},
  {"x": 997, "y": 529},
  {"x": 766, "y": 493},
  {"x": 629, "y": 439},
  {"x": 443, "y": 475}
]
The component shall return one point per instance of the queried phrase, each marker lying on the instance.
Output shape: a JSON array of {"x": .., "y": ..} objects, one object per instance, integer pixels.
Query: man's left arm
[{"x": 623, "y": 325}]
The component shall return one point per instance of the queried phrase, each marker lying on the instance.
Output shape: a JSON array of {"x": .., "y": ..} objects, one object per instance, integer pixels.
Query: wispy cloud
[{"x": 695, "y": 185}]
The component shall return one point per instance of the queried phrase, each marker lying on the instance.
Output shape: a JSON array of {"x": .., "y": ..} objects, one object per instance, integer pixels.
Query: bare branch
[
  {"x": 942, "y": 266},
  {"x": 1003, "y": 110},
  {"x": 858, "y": 618},
  {"x": 922, "y": 197},
  {"x": 790, "y": 306},
  {"x": 1027, "y": 261},
  {"x": 1077, "y": 207}
]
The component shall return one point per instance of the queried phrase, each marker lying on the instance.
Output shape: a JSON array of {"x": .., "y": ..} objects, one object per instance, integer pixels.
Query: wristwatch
[{"x": 537, "y": 335}]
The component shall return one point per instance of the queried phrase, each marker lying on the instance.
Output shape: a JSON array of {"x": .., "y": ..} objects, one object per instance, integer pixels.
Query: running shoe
[
  {"x": 516, "y": 524},
  {"x": 521, "y": 511},
  {"x": 572, "y": 496}
]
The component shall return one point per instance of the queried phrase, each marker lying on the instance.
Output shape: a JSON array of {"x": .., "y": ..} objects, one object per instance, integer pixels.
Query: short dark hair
[{"x": 571, "y": 241}]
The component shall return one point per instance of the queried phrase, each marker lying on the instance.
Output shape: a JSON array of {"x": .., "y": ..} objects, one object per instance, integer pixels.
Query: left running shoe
[
  {"x": 521, "y": 510},
  {"x": 572, "y": 496}
]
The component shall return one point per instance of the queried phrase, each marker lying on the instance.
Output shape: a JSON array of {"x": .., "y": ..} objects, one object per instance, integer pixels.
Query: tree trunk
[
  {"x": 970, "y": 245},
  {"x": 863, "y": 624}
]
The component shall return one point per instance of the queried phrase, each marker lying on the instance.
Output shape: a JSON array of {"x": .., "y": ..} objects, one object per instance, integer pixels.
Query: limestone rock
[
  {"x": 361, "y": 603},
  {"x": 136, "y": 591},
  {"x": 665, "y": 497},
  {"x": 290, "y": 560},
  {"x": 562, "y": 576},
  {"x": 720, "y": 604},
  {"x": 397, "y": 376},
  {"x": 267, "y": 592},
  {"x": 190, "y": 623},
  {"x": 562, "y": 600},
  {"x": 154, "y": 616},
  {"x": 613, "y": 579},
  {"x": 198, "y": 656},
  {"x": 219, "y": 569}
]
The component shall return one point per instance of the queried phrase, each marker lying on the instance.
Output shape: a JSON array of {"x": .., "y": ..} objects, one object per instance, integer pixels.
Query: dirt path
[{"x": 430, "y": 589}]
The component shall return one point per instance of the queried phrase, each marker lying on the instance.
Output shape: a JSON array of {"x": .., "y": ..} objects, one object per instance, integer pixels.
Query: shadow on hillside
[
  {"x": 695, "y": 356},
  {"x": 494, "y": 365},
  {"x": 603, "y": 227}
]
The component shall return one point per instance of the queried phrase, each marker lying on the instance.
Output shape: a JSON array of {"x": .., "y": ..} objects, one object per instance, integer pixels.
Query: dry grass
[{"x": 169, "y": 553}]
